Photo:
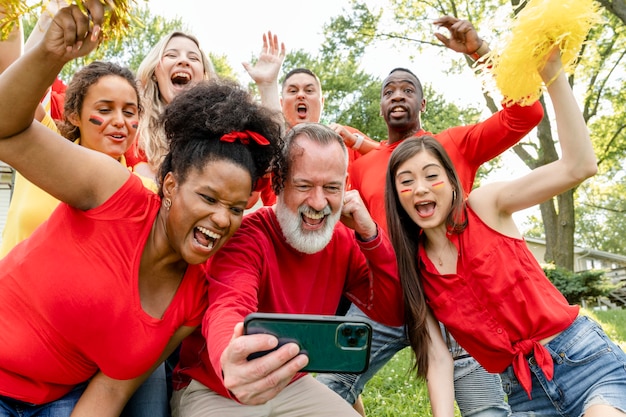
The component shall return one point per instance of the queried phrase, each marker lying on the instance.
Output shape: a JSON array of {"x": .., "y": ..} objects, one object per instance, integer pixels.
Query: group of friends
[{"x": 130, "y": 259}]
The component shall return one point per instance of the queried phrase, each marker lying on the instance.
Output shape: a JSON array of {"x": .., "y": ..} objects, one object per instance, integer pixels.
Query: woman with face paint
[
  {"x": 107, "y": 287},
  {"x": 474, "y": 272},
  {"x": 102, "y": 111}
]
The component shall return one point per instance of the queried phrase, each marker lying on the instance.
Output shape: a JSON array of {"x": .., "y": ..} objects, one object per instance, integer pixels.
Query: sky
[{"x": 235, "y": 28}]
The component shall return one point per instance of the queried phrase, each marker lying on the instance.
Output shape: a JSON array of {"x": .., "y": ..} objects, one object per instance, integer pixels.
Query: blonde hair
[{"x": 151, "y": 137}]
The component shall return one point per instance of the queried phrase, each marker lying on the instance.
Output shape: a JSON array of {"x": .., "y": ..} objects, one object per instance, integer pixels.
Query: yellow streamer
[
  {"x": 117, "y": 16},
  {"x": 540, "y": 26}
]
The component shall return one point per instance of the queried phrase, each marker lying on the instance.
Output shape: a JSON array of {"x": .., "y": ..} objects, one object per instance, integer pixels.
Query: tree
[
  {"x": 352, "y": 96},
  {"x": 598, "y": 76},
  {"x": 144, "y": 32}
]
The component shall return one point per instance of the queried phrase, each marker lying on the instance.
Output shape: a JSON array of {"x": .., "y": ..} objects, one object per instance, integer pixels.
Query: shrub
[{"x": 579, "y": 286}]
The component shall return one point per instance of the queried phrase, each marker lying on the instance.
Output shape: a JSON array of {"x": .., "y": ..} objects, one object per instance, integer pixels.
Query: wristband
[
  {"x": 482, "y": 50},
  {"x": 358, "y": 142}
]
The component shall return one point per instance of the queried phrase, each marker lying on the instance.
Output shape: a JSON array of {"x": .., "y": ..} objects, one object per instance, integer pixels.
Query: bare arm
[
  {"x": 440, "y": 378},
  {"x": 74, "y": 174},
  {"x": 11, "y": 48},
  {"x": 349, "y": 136},
  {"x": 105, "y": 396},
  {"x": 577, "y": 163},
  {"x": 265, "y": 71}
]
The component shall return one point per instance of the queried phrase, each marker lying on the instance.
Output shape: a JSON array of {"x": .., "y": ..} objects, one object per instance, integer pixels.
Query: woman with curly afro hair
[{"x": 116, "y": 268}]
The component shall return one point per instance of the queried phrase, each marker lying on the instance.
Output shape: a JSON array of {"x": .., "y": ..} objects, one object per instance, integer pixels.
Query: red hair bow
[{"x": 244, "y": 136}]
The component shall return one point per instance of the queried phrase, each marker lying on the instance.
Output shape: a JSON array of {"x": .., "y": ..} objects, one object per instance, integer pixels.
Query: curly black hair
[
  {"x": 197, "y": 118},
  {"x": 79, "y": 86}
]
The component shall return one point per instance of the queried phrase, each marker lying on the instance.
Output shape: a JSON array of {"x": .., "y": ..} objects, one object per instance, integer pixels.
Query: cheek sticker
[
  {"x": 98, "y": 121},
  {"x": 437, "y": 184},
  {"x": 406, "y": 190},
  {"x": 134, "y": 124}
]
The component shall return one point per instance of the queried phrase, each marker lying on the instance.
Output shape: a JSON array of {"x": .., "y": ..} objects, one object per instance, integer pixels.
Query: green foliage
[
  {"x": 222, "y": 67},
  {"x": 579, "y": 286},
  {"x": 613, "y": 322},
  {"x": 601, "y": 214},
  {"x": 130, "y": 50},
  {"x": 144, "y": 32},
  {"x": 395, "y": 391}
]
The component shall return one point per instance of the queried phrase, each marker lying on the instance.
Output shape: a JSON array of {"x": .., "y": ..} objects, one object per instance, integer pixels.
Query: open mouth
[
  {"x": 425, "y": 209},
  {"x": 205, "y": 237},
  {"x": 301, "y": 109},
  {"x": 181, "y": 78},
  {"x": 397, "y": 111},
  {"x": 313, "y": 218}
]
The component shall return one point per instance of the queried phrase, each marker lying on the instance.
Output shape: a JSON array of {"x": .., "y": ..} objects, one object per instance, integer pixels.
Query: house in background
[
  {"x": 584, "y": 258},
  {"x": 589, "y": 259}
]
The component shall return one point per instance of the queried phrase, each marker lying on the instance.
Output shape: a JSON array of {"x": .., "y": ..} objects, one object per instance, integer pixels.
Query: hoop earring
[
  {"x": 167, "y": 203},
  {"x": 453, "y": 195}
]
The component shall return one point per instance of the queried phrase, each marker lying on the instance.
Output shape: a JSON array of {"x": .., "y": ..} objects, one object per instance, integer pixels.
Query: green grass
[{"x": 395, "y": 392}]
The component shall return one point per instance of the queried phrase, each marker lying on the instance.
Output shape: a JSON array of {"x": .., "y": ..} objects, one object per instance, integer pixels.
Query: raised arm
[
  {"x": 265, "y": 71},
  {"x": 74, "y": 174},
  {"x": 11, "y": 47},
  {"x": 577, "y": 162}
]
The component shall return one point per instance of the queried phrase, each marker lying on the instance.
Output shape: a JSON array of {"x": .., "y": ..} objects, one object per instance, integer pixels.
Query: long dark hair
[{"x": 405, "y": 237}]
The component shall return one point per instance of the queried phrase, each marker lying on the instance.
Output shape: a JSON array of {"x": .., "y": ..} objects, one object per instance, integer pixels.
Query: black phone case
[{"x": 332, "y": 343}]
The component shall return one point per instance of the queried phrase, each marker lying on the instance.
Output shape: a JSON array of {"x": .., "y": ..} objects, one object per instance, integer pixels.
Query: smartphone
[{"x": 332, "y": 343}]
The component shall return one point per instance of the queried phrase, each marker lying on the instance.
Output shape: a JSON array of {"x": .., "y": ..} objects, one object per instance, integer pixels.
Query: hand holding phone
[{"x": 332, "y": 343}]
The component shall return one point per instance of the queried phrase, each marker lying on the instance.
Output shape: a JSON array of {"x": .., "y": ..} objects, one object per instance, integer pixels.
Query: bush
[{"x": 579, "y": 286}]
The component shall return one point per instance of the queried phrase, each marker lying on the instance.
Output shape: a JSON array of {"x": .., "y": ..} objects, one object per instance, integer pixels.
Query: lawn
[{"x": 393, "y": 392}]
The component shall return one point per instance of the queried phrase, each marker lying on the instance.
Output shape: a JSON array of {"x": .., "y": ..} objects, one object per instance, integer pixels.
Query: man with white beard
[{"x": 299, "y": 256}]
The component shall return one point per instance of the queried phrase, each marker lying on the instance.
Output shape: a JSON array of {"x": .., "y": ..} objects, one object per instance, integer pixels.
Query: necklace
[{"x": 447, "y": 248}]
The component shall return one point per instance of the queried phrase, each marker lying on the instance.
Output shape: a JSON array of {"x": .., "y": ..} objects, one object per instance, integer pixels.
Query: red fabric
[
  {"x": 468, "y": 148},
  {"x": 500, "y": 304},
  {"x": 244, "y": 136},
  {"x": 134, "y": 154},
  {"x": 258, "y": 270},
  {"x": 57, "y": 99},
  {"x": 70, "y": 304}
]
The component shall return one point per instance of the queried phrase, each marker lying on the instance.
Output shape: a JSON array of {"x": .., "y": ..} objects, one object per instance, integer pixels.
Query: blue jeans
[
  {"x": 477, "y": 392},
  {"x": 589, "y": 369},
  {"x": 60, "y": 408},
  {"x": 150, "y": 399}
]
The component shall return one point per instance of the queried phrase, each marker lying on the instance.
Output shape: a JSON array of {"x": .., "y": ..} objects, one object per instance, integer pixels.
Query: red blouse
[{"x": 500, "y": 303}]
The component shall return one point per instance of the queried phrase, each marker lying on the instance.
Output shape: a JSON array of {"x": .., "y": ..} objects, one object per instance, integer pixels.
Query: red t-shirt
[
  {"x": 69, "y": 299},
  {"x": 258, "y": 271},
  {"x": 468, "y": 148},
  {"x": 500, "y": 303}
]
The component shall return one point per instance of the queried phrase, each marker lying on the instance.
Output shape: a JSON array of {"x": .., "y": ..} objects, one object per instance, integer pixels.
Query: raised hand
[
  {"x": 271, "y": 58},
  {"x": 259, "y": 380},
  {"x": 463, "y": 36},
  {"x": 73, "y": 33}
]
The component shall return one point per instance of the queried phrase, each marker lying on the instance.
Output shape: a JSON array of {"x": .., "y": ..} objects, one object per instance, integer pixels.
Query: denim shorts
[{"x": 589, "y": 369}]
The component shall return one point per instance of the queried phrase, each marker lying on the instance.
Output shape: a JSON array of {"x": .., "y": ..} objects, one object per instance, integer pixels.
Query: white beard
[{"x": 305, "y": 241}]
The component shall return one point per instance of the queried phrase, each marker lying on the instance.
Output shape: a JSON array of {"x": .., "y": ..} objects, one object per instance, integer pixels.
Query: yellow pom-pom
[
  {"x": 117, "y": 16},
  {"x": 540, "y": 26}
]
